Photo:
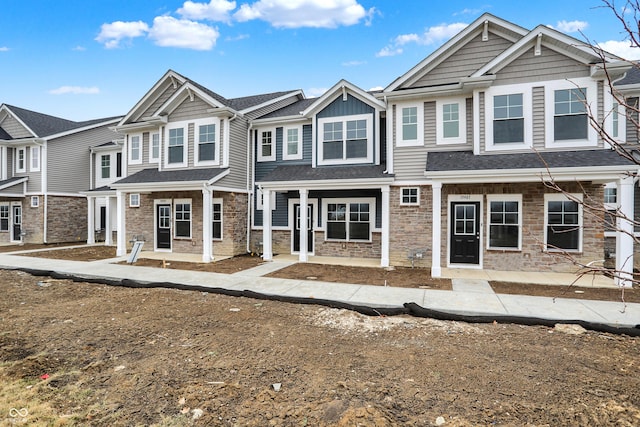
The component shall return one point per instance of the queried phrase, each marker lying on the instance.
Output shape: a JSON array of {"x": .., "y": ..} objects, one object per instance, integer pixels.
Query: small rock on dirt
[
  {"x": 440, "y": 421},
  {"x": 570, "y": 329}
]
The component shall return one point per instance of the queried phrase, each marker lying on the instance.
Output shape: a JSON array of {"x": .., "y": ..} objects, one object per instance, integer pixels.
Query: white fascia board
[
  {"x": 15, "y": 116},
  {"x": 272, "y": 101},
  {"x": 612, "y": 70},
  {"x": 147, "y": 187},
  {"x": 447, "y": 49},
  {"x": 465, "y": 86},
  {"x": 12, "y": 183},
  {"x": 145, "y": 101},
  {"x": 185, "y": 91},
  {"x": 82, "y": 129},
  {"x": 22, "y": 141},
  {"x": 106, "y": 148},
  {"x": 329, "y": 96},
  {"x": 224, "y": 112},
  {"x": 599, "y": 174},
  {"x": 328, "y": 184},
  {"x": 150, "y": 123}
]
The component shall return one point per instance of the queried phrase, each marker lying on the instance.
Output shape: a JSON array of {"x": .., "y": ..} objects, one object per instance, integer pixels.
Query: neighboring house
[
  {"x": 106, "y": 168},
  {"x": 44, "y": 165},
  {"x": 186, "y": 170},
  {"x": 320, "y": 173},
  {"x": 478, "y": 126}
]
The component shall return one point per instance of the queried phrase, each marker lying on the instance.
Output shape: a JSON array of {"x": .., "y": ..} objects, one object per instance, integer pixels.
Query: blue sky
[{"x": 84, "y": 59}]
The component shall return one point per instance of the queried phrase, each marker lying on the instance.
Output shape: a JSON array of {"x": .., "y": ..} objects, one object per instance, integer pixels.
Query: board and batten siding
[
  {"x": 14, "y": 128},
  {"x": 68, "y": 159},
  {"x": 549, "y": 65},
  {"x": 465, "y": 61}
]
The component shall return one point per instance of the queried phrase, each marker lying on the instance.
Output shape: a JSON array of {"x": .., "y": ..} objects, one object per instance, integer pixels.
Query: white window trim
[
  {"x": 133, "y": 161},
  {"x": 216, "y": 142},
  {"x": 185, "y": 144},
  {"x": 35, "y": 201},
  {"x": 419, "y": 141},
  {"x": 213, "y": 202},
  {"x": 36, "y": 167},
  {"x": 561, "y": 198},
  {"x": 344, "y": 120},
  {"x": 272, "y": 157},
  {"x": 549, "y": 106},
  {"x": 24, "y": 160},
  {"x": 527, "y": 112},
  {"x": 134, "y": 200},
  {"x": 175, "y": 218},
  {"x": 285, "y": 143},
  {"x": 372, "y": 217},
  {"x": 403, "y": 203},
  {"x": 462, "y": 121},
  {"x": 609, "y": 101},
  {"x": 153, "y": 159},
  {"x": 504, "y": 198}
]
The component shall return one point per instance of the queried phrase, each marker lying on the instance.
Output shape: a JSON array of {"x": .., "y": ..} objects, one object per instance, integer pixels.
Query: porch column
[
  {"x": 303, "y": 255},
  {"x": 121, "y": 249},
  {"x": 384, "y": 249},
  {"x": 267, "y": 253},
  {"x": 436, "y": 223},
  {"x": 108, "y": 227},
  {"x": 624, "y": 233},
  {"x": 91, "y": 220},
  {"x": 207, "y": 235}
]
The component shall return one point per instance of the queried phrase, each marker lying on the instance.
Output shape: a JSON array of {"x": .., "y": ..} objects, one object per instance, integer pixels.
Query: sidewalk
[{"x": 466, "y": 298}]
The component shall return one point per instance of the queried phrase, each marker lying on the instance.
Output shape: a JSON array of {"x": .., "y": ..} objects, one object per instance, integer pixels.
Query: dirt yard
[{"x": 87, "y": 354}]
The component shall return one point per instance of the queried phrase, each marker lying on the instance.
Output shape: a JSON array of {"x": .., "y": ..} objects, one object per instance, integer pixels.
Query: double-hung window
[
  {"x": 176, "y": 147},
  {"x": 216, "y": 218},
  {"x": 206, "y": 150},
  {"x": 135, "y": 149},
  {"x": 505, "y": 221},
  {"x": 266, "y": 145},
  {"x": 21, "y": 160},
  {"x": 105, "y": 166},
  {"x": 154, "y": 150},
  {"x": 182, "y": 218},
  {"x": 563, "y": 222},
  {"x": 4, "y": 217},
  {"x": 35, "y": 159},
  {"x": 347, "y": 140},
  {"x": 410, "y": 124},
  {"x": 292, "y": 149},
  {"x": 451, "y": 121},
  {"x": 508, "y": 119},
  {"x": 570, "y": 120},
  {"x": 350, "y": 221}
]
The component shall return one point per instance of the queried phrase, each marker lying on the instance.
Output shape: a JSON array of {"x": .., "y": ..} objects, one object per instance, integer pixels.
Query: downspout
[
  {"x": 45, "y": 184},
  {"x": 250, "y": 180}
]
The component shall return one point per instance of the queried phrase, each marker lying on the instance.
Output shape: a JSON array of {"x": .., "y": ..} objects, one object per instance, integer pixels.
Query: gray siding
[
  {"x": 550, "y": 65},
  {"x": 468, "y": 59},
  {"x": 632, "y": 114},
  {"x": 168, "y": 90},
  {"x": 351, "y": 106},
  {"x": 271, "y": 107},
  {"x": 14, "y": 189},
  {"x": 237, "y": 177},
  {"x": 190, "y": 110},
  {"x": 14, "y": 128},
  {"x": 430, "y": 124},
  {"x": 538, "y": 118},
  {"x": 68, "y": 159}
]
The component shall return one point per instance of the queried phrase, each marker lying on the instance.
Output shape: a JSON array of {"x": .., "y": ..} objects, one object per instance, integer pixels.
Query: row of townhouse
[{"x": 445, "y": 167}]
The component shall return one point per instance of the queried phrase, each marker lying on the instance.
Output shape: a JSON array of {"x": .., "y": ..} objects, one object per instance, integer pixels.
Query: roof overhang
[
  {"x": 326, "y": 184},
  {"x": 466, "y": 85},
  {"x": 147, "y": 123},
  {"x": 11, "y": 182},
  {"x": 148, "y": 187}
]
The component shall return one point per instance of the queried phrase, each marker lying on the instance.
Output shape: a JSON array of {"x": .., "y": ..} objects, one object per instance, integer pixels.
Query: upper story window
[
  {"x": 206, "y": 147},
  {"x": 35, "y": 159},
  {"x": 570, "y": 119},
  {"x": 21, "y": 160},
  {"x": 176, "y": 147},
  {"x": 345, "y": 140},
  {"x": 292, "y": 149},
  {"x": 154, "y": 147},
  {"x": 451, "y": 121},
  {"x": 410, "y": 124},
  {"x": 135, "y": 149},
  {"x": 508, "y": 119},
  {"x": 105, "y": 166},
  {"x": 266, "y": 145}
]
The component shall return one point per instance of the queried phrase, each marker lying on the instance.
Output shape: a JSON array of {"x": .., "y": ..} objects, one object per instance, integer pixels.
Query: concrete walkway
[{"x": 467, "y": 297}]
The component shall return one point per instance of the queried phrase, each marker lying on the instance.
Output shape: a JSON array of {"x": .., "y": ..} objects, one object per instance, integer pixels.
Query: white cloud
[
  {"x": 468, "y": 11},
  {"x": 431, "y": 36},
  {"x": 314, "y": 92},
  {"x": 237, "y": 38},
  {"x": 215, "y": 10},
  {"x": 571, "y": 26},
  {"x": 305, "y": 13},
  {"x": 111, "y": 34},
  {"x": 4, "y": 49},
  {"x": 79, "y": 48},
  {"x": 168, "y": 31},
  {"x": 75, "y": 90},
  {"x": 376, "y": 89},
  {"x": 623, "y": 49},
  {"x": 353, "y": 63}
]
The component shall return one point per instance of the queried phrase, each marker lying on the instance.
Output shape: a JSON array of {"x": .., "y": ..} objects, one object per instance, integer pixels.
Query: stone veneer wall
[
  {"x": 140, "y": 222},
  {"x": 532, "y": 256},
  {"x": 66, "y": 218},
  {"x": 410, "y": 228}
]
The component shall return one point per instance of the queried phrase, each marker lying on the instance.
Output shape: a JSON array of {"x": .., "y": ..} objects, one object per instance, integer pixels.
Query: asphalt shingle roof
[
  {"x": 466, "y": 160},
  {"x": 290, "y": 110},
  {"x": 632, "y": 77},
  {"x": 153, "y": 175},
  {"x": 307, "y": 173}
]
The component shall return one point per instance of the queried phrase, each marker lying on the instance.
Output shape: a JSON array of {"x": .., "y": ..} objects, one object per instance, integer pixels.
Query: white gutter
[
  {"x": 360, "y": 183},
  {"x": 250, "y": 184}
]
